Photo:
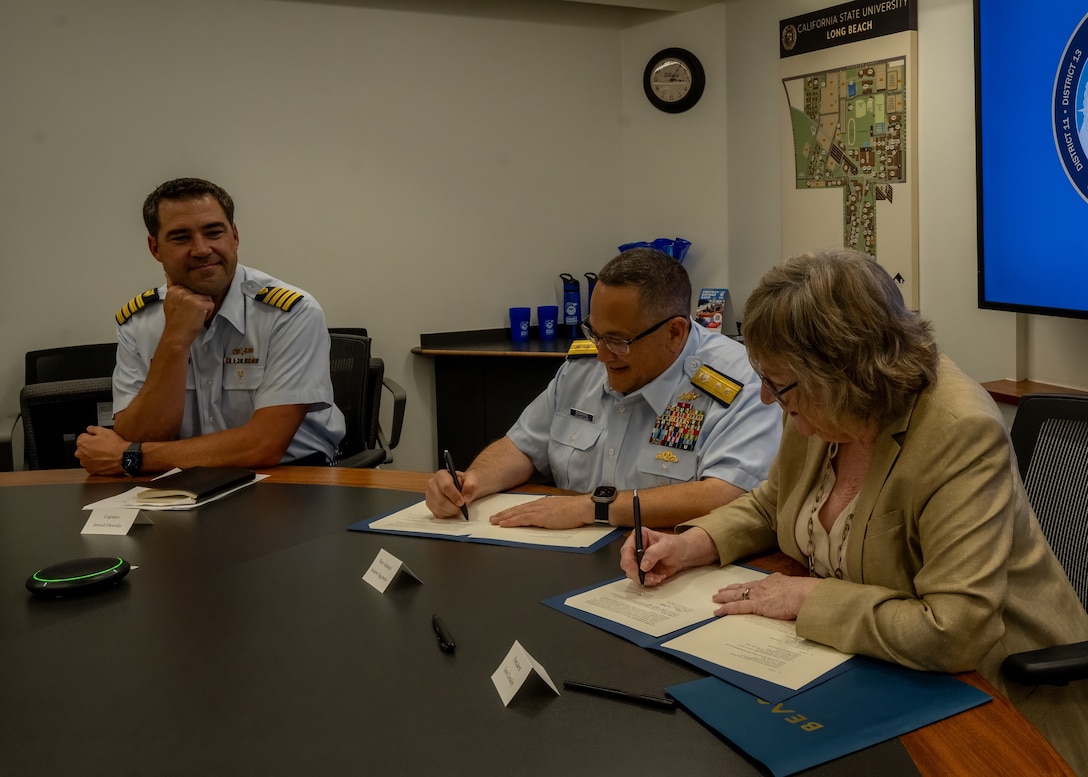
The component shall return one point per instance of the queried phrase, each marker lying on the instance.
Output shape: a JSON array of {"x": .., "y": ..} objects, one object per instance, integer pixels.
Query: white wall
[
  {"x": 423, "y": 171},
  {"x": 674, "y": 165},
  {"x": 415, "y": 172}
]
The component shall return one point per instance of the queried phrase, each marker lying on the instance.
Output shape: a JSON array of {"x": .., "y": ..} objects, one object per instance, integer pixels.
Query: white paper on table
[
  {"x": 680, "y": 601},
  {"x": 116, "y": 521},
  {"x": 418, "y": 519},
  {"x": 385, "y": 569},
  {"x": 761, "y": 647},
  {"x": 514, "y": 670},
  {"x": 128, "y": 498}
]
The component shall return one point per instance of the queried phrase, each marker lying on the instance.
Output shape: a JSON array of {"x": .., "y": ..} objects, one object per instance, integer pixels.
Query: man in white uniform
[
  {"x": 221, "y": 366},
  {"x": 666, "y": 407}
]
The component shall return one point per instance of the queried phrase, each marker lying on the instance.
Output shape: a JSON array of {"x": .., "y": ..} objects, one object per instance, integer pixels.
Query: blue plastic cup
[
  {"x": 547, "y": 317},
  {"x": 519, "y": 324}
]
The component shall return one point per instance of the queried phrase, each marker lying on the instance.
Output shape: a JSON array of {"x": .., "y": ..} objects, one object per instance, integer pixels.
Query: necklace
[{"x": 831, "y": 453}]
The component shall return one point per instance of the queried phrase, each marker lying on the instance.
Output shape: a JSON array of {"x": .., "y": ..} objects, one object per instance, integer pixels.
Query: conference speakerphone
[{"x": 78, "y": 576}]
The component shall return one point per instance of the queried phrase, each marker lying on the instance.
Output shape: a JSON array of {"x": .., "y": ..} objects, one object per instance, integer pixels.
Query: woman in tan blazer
[{"x": 896, "y": 485}]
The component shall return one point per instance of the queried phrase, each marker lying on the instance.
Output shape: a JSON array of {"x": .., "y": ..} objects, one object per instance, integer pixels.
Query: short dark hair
[
  {"x": 184, "y": 189},
  {"x": 664, "y": 288},
  {"x": 836, "y": 321}
]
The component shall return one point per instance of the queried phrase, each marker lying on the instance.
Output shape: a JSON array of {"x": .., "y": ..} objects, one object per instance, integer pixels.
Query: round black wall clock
[{"x": 673, "y": 80}]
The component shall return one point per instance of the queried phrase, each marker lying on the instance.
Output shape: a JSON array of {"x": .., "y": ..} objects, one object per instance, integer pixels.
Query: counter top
[{"x": 490, "y": 342}]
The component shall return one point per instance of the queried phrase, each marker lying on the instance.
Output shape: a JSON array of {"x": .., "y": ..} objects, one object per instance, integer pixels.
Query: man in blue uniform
[
  {"x": 223, "y": 365},
  {"x": 666, "y": 407}
]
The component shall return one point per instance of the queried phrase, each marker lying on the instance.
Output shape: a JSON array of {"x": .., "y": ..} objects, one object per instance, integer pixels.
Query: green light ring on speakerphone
[{"x": 79, "y": 577}]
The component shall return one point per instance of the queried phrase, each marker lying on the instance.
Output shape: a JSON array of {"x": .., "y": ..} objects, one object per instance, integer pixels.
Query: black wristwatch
[
  {"x": 602, "y": 497},
  {"x": 132, "y": 460}
]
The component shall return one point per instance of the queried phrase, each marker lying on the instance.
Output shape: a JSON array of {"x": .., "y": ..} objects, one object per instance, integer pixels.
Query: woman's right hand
[{"x": 666, "y": 554}]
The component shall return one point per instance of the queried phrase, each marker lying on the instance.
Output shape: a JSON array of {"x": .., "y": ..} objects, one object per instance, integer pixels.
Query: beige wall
[
  {"x": 420, "y": 171},
  {"x": 415, "y": 172}
]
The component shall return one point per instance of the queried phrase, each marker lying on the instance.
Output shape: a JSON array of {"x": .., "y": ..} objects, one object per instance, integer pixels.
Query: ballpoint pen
[
  {"x": 453, "y": 474},
  {"x": 445, "y": 641},
  {"x": 616, "y": 693},
  {"x": 638, "y": 539}
]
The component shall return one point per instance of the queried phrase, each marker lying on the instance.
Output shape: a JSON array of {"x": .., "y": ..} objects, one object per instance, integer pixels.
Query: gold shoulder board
[
  {"x": 716, "y": 384},
  {"x": 278, "y": 297},
  {"x": 580, "y": 348},
  {"x": 136, "y": 304}
]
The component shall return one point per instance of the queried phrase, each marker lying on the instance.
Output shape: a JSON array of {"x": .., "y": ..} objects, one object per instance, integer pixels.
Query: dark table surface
[{"x": 246, "y": 642}]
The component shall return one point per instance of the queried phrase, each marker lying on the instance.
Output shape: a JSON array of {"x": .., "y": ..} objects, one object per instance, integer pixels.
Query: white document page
[
  {"x": 679, "y": 602},
  {"x": 761, "y": 647},
  {"x": 417, "y": 518}
]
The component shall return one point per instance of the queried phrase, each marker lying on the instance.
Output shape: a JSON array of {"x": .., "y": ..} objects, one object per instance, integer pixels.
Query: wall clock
[{"x": 673, "y": 80}]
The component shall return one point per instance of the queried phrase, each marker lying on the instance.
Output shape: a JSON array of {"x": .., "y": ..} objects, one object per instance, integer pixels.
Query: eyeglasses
[
  {"x": 775, "y": 391},
  {"x": 617, "y": 345}
]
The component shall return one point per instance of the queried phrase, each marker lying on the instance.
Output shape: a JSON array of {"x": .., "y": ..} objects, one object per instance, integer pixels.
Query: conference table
[{"x": 245, "y": 641}]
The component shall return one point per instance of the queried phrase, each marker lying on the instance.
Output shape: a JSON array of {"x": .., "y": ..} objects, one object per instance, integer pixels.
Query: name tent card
[
  {"x": 113, "y": 520},
  {"x": 385, "y": 569},
  {"x": 514, "y": 670}
]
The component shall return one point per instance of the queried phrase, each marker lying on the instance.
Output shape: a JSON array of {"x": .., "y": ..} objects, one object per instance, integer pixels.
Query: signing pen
[
  {"x": 453, "y": 474},
  {"x": 616, "y": 693},
  {"x": 638, "y": 539},
  {"x": 445, "y": 640}
]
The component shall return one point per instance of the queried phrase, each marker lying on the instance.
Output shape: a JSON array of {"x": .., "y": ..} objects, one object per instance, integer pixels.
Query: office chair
[
  {"x": 358, "y": 380},
  {"x": 1050, "y": 436},
  {"x": 71, "y": 362},
  {"x": 56, "y": 412}
]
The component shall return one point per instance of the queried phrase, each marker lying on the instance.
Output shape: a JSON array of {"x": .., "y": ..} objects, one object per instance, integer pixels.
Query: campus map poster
[{"x": 849, "y": 154}]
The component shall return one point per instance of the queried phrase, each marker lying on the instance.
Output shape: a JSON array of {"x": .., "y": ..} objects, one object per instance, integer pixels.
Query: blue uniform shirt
[
  {"x": 253, "y": 355},
  {"x": 581, "y": 433}
]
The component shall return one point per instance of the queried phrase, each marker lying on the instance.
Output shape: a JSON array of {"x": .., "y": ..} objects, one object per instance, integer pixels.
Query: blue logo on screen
[{"x": 1070, "y": 104}]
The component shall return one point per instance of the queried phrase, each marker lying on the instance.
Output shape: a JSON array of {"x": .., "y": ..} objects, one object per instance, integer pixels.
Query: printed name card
[
  {"x": 385, "y": 568},
  {"x": 514, "y": 670},
  {"x": 113, "y": 520}
]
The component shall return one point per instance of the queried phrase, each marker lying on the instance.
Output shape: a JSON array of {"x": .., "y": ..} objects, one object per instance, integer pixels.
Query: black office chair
[
  {"x": 71, "y": 362},
  {"x": 357, "y": 390},
  {"x": 56, "y": 412},
  {"x": 1050, "y": 437}
]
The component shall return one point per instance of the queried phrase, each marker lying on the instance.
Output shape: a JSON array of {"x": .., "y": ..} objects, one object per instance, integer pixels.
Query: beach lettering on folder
[{"x": 777, "y": 709}]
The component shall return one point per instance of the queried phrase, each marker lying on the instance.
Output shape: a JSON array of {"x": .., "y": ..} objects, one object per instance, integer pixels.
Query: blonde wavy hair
[{"x": 835, "y": 319}]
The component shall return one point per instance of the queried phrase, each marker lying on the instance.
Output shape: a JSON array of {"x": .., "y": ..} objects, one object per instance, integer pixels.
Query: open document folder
[
  {"x": 764, "y": 656},
  {"x": 417, "y": 520}
]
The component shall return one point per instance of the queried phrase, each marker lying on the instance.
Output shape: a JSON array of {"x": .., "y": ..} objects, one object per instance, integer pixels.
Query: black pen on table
[
  {"x": 453, "y": 474},
  {"x": 616, "y": 693},
  {"x": 638, "y": 539},
  {"x": 445, "y": 640}
]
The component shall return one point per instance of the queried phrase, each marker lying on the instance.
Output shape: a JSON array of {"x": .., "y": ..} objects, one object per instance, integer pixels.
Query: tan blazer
[{"x": 950, "y": 569}]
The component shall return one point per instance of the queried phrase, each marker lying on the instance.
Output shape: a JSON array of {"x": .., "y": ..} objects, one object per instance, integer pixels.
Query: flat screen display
[{"x": 1032, "y": 93}]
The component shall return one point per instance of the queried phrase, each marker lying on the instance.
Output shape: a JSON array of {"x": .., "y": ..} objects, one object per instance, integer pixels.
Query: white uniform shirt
[
  {"x": 581, "y": 433},
  {"x": 253, "y": 355}
]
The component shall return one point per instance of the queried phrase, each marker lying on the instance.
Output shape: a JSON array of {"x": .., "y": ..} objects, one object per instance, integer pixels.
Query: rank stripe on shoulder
[
  {"x": 136, "y": 304},
  {"x": 278, "y": 297},
  {"x": 580, "y": 348},
  {"x": 718, "y": 385}
]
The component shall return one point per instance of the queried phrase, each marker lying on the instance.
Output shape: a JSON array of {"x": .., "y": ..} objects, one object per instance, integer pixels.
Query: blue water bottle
[
  {"x": 591, "y": 281},
  {"x": 572, "y": 304}
]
